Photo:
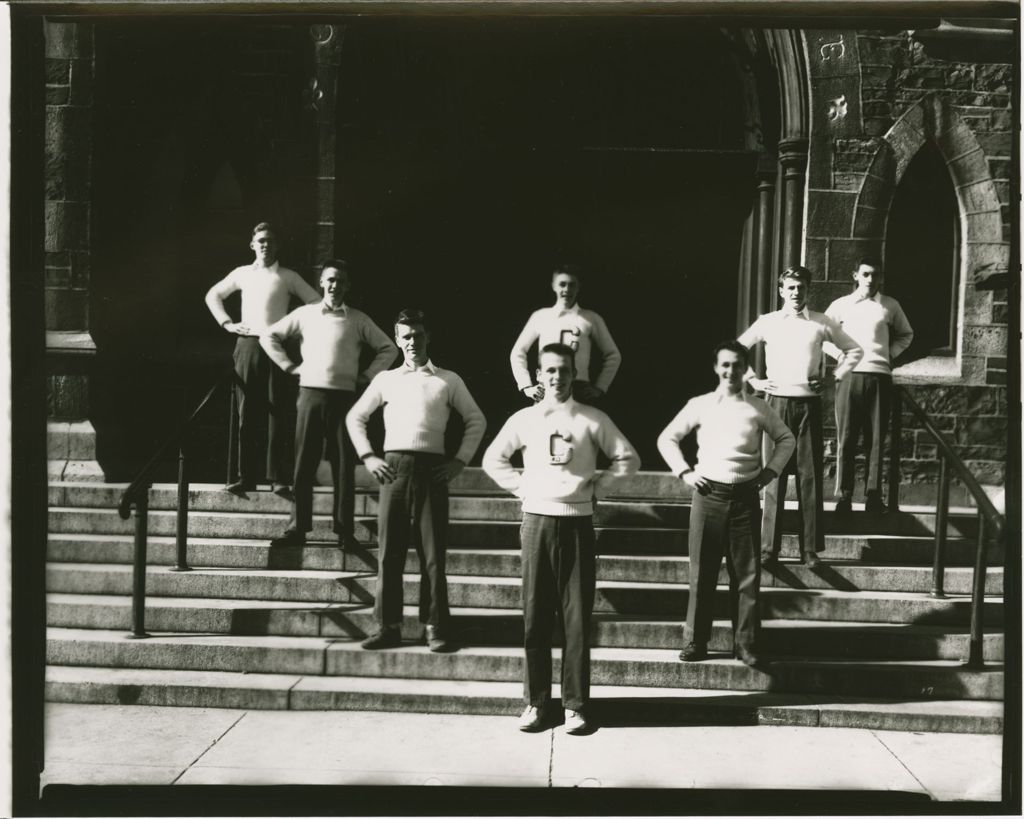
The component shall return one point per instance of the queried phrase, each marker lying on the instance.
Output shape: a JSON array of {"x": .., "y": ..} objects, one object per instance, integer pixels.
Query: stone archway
[{"x": 984, "y": 250}]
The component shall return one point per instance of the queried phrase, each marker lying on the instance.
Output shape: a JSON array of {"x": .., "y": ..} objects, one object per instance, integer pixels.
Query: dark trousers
[
  {"x": 803, "y": 417},
  {"x": 862, "y": 406},
  {"x": 725, "y": 520},
  {"x": 412, "y": 496},
  {"x": 559, "y": 575},
  {"x": 320, "y": 420},
  {"x": 264, "y": 395}
]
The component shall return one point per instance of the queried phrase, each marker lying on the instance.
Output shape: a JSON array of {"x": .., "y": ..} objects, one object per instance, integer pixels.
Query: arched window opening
[{"x": 922, "y": 254}]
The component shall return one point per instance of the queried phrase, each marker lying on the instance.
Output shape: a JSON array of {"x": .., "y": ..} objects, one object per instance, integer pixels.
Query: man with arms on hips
[
  {"x": 579, "y": 329},
  {"x": 264, "y": 394},
  {"x": 560, "y": 439},
  {"x": 793, "y": 339},
  {"x": 414, "y": 473},
  {"x": 725, "y": 517},
  {"x": 331, "y": 336},
  {"x": 879, "y": 325}
]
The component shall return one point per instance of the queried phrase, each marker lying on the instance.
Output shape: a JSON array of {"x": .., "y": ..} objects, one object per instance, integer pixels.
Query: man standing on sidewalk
[
  {"x": 264, "y": 395},
  {"x": 793, "y": 339},
  {"x": 567, "y": 323},
  {"x": 414, "y": 473},
  {"x": 331, "y": 336},
  {"x": 559, "y": 439},
  {"x": 724, "y": 516},
  {"x": 879, "y": 325}
]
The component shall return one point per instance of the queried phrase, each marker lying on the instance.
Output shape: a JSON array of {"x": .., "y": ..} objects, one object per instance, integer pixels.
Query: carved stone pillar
[
  {"x": 792, "y": 181},
  {"x": 68, "y": 248},
  {"x": 321, "y": 100}
]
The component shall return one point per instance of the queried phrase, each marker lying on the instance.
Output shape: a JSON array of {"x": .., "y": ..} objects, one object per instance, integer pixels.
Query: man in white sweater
[
  {"x": 725, "y": 514},
  {"x": 417, "y": 398},
  {"x": 879, "y": 325},
  {"x": 263, "y": 393},
  {"x": 794, "y": 337},
  {"x": 560, "y": 439},
  {"x": 331, "y": 336},
  {"x": 567, "y": 323}
]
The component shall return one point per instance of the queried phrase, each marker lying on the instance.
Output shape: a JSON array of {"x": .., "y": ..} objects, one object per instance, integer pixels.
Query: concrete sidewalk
[{"x": 136, "y": 745}]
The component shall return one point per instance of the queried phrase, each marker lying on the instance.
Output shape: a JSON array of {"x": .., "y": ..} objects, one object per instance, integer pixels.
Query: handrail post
[
  {"x": 895, "y": 444},
  {"x": 941, "y": 515},
  {"x": 976, "y": 658},
  {"x": 181, "y": 528},
  {"x": 139, "y": 566}
]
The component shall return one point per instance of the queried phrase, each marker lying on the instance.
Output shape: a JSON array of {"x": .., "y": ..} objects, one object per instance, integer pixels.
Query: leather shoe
[
  {"x": 387, "y": 637},
  {"x": 532, "y": 718},
  {"x": 693, "y": 653},
  {"x": 844, "y": 506},
  {"x": 283, "y": 491},
  {"x": 291, "y": 537},
  {"x": 811, "y": 560},
  {"x": 240, "y": 488},
  {"x": 746, "y": 656},
  {"x": 435, "y": 640}
]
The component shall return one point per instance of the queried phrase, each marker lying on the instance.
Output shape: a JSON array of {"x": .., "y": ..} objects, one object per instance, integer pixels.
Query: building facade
[{"x": 454, "y": 160}]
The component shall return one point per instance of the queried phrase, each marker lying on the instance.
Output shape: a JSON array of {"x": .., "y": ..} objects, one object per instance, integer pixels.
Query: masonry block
[
  {"x": 982, "y": 430},
  {"x": 1000, "y": 313},
  {"x": 1000, "y": 168},
  {"x": 978, "y": 308},
  {"x": 993, "y": 77},
  {"x": 986, "y": 340},
  {"x": 67, "y": 397},
  {"x": 1001, "y": 121},
  {"x": 66, "y": 309},
  {"x": 986, "y": 226},
  {"x": 830, "y": 213},
  {"x": 57, "y": 94},
  {"x": 982, "y": 401},
  {"x": 979, "y": 196},
  {"x": 988, "y": 473},
  {"x": 997, "y": 143}
]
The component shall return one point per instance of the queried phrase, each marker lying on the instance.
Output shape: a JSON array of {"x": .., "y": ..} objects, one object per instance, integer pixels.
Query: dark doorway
[
  {"x": 473, "y": 155},
  {"x": 922, "y": 254}
]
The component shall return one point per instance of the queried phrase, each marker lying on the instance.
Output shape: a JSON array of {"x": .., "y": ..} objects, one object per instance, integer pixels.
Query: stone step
[
  {"x": 498, "y": 535},
  {"x": 215, "y": 552},
  {"x": 660, "y": 511},
  {"x": 610, "y": 705},
  {"x": 621, "y": 597},
  {"x": 306, "y": 656},
  {"x": 505, "y": 627}
]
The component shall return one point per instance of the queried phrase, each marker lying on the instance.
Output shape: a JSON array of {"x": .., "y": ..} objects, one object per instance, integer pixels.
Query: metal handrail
[
  {"x": 990, "y": 522},
  {"x": 137, "y": 495}
]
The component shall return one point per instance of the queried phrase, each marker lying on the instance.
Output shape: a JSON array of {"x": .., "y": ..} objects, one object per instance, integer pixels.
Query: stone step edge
[
  {"x": 603, "y": 653},
  {"x": 510, "y": 581},
  {"x": 366, "y": 488},
  {"x": 298, "y": 692},
  {"x": 410, "y": 611}
]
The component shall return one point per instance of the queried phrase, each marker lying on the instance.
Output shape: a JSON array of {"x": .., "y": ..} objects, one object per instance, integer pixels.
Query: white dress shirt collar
[
  {"x": 857, "y": 297},
  {"x": 722, "y": 393},
  {"x": 564, "y": 311},
  {"x": 425, "y": 368},
  {"x": 789, "y": 312},
  {"x": 340, "y": 310}
]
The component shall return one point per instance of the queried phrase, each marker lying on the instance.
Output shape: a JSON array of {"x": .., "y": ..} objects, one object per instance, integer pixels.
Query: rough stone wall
[{"x": 896, "y": 96}]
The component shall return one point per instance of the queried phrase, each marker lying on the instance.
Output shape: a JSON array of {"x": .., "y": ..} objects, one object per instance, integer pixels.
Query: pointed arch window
[{"x": 922, "y": 254}]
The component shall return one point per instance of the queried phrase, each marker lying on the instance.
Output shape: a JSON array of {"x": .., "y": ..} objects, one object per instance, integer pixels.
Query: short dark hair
[
  {"x": 732, "y": 346},
  {"x": 568, "y": 268},
  {"x": 337, "y": 264},
  {"x": 868, "y": 261},
  {"x": 410, "y": 316},
  {"x": 798, "y": 272},
  {"x": 558, "y": 348},
  {"x": 269, "y": 228}
]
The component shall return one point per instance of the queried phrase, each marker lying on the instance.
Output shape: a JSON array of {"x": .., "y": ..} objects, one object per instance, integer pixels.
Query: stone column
[
  {"x": 321, "y": 101},
  {"x": 67, "y": 243},
  {"x": 792, "y": 181}
]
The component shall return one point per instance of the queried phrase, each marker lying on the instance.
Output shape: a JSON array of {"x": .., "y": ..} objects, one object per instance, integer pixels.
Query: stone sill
[
  {"x": 74, "y": 342},
  {"x": 933, "y": 369}
]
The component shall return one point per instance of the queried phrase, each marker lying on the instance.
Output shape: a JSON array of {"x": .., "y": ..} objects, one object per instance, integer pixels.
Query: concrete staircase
[{"x": 857, "y": 643}]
